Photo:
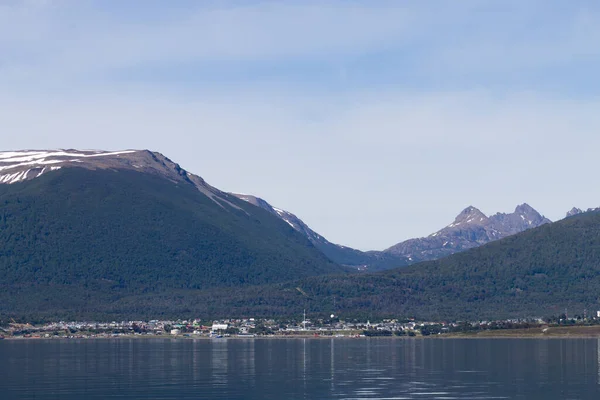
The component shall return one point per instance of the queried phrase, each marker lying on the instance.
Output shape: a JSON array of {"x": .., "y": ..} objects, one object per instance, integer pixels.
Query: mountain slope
[
  {"x": 471, "y": 228},
  {"x": 370, "y": 260},
  {"x": 539, "y": 272},
  {"x": 139, "y": 223}
]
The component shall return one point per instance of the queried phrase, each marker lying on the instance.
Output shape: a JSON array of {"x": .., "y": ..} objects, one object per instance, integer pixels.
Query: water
[{"x": 300, "y": 369}]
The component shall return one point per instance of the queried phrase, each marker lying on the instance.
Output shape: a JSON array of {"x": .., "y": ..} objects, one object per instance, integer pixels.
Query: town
[{"x": 251, "y": 327}]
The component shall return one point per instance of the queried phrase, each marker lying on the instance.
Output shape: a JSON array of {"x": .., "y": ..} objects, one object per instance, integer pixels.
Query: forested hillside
[
  {"x": 539, "y": 272},
  {"x": 124, "y": 232}
]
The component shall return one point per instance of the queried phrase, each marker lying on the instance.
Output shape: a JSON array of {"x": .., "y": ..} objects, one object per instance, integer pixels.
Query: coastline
[{"x": 556, "y": 332}]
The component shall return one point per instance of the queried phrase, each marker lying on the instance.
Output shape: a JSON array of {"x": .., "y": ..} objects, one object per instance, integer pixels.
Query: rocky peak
[
  {"x": 525, "y": 209},
  {"x": 529, "y": 214},
  {"x": 574, "y": 211},
  {"x": 468, "y": 216}
]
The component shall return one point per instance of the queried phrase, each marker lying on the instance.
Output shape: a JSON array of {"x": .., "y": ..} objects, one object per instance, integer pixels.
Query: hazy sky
[{"x": 373, "y": 121}]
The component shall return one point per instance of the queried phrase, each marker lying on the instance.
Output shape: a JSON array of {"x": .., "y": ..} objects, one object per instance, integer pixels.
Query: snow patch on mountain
[{"x": 13, "y": 163}]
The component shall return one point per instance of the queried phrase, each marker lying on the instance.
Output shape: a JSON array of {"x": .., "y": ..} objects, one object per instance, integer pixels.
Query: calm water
[{"x": 301, "y": 369}]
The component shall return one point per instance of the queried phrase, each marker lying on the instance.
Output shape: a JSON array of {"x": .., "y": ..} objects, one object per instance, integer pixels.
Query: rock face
[{"x": 471, "y": 228}]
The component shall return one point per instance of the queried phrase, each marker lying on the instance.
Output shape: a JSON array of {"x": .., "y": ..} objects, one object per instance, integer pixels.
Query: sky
[{"x": 373, "y": 121}]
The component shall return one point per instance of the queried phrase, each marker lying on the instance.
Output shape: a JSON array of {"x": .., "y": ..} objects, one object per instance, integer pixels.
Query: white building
[{"x": 219, "y": 327}]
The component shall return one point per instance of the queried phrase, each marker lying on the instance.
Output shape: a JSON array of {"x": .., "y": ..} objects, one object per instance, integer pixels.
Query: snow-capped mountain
[
  {"x": 471, "y": 228},
  {"x": 19, "y": 166}
]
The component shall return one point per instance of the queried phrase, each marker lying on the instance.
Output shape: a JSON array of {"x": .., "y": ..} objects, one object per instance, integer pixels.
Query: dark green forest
[
  {"x": 114, "y": 245},
  {"x": 114, "y": 233}
]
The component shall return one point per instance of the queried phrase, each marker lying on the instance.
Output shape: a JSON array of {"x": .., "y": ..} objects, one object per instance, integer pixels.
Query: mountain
[
  {"x": 539, "y": 272},
  {"x": 471, "y": 228},
  {"x": 130, "y": 234},
  {"x": 370, "y": 260},
  {"x": 134, "y": 222}
]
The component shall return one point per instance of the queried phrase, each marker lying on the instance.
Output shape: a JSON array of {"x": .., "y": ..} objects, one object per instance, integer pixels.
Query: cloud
[
  {"x": 72, "y": 38},
  {"x": 92, "y": 42},
  {"x": 373, "y": 121}
]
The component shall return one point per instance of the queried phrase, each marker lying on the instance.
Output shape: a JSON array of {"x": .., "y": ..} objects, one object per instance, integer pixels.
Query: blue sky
[{"x": 374, "y": 121}]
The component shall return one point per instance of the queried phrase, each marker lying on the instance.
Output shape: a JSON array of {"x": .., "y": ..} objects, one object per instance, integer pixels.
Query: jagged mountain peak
[
  {"x": 529, "y": 213},
  {"x": 524, "y": 217},
  {"x": 469, "y": 215},
  {"x": 574, "y": 211},
  {"x": 524, "y": 208}
]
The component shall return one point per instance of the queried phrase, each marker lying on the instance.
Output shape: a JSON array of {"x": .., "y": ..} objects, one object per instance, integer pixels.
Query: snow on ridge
[
  {"x": 289, "y": 223},
  {"x": 16, "y": 177},
  {"x": 10, "y": 154},
  {"x": 36, "y": 156},
  {"x": 40, "y": 162},
  {"x": 43, "y": 158},
  {"x": 279, "y": 210}
]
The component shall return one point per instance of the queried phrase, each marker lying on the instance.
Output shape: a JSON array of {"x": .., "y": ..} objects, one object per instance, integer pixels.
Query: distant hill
[{"x": 133, "y": 223}]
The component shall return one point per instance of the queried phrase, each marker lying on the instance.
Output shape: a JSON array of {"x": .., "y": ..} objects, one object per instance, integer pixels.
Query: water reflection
[
  {"x": 219, "y": 360},
  {"x": 301, "y": 369}
]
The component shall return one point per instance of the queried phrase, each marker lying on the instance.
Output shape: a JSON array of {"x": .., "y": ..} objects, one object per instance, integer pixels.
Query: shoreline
[{"x": 558, "y": 332}]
